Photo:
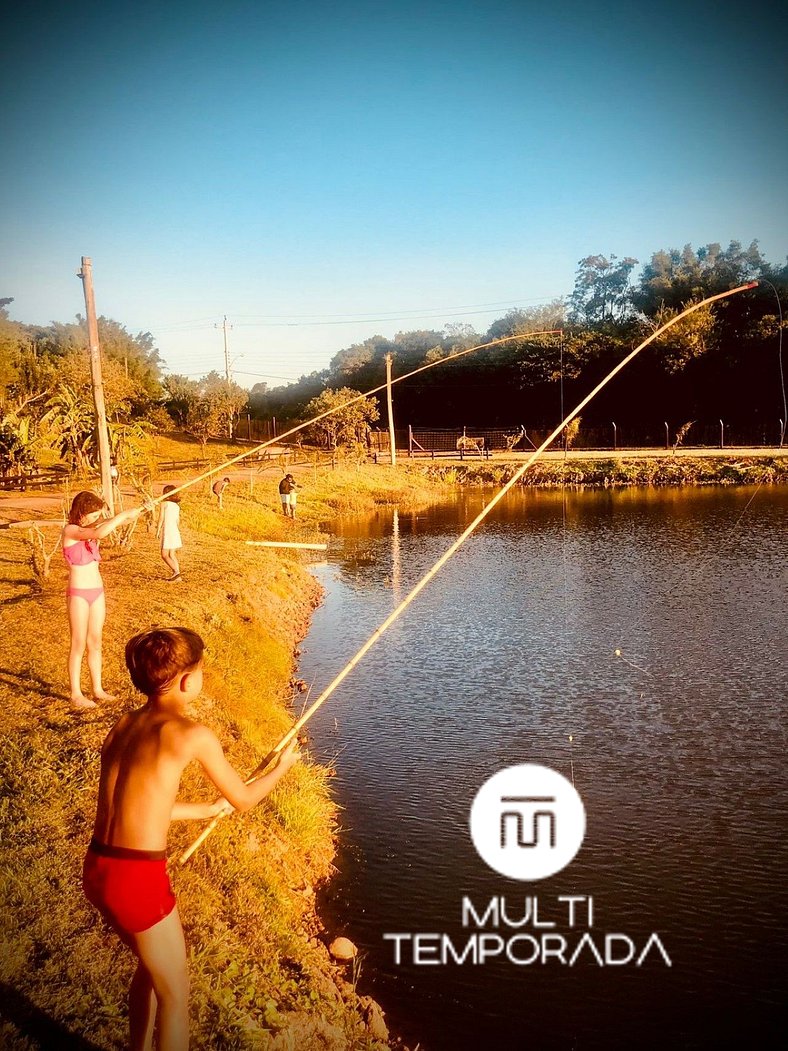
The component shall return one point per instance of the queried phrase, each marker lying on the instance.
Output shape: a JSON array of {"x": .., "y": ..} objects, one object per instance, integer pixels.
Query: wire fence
[{"x": 484, "y": 441}]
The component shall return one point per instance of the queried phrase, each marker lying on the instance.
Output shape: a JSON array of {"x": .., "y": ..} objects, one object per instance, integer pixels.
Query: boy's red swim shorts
[{"x": 130, "y": 888}]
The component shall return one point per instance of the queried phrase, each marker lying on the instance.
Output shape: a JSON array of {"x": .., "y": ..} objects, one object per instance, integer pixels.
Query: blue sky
[{"x": 322, "y": 172}]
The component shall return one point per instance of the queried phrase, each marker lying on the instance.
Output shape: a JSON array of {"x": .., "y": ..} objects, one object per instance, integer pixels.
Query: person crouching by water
[
  {"x": 170, "y": 531},
  {"x": 218, "y": 488},
  {"x": 287, "y": 494},
  {"x": 85, "y": 594},
  {"x": 125, "y": 870}
]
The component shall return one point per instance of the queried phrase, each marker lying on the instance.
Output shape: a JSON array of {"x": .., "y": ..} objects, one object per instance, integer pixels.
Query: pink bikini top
[{"x": 82, "y": 553}]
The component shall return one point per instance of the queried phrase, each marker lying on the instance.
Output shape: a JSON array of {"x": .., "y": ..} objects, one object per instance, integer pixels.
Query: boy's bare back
[
  {"x": 124, "y": 873},
  {"x": 142, "y": 760}
]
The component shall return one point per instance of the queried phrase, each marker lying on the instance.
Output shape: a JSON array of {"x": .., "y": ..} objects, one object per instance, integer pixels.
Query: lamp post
[
  {"x": 615, "y": 436},
  {"x": 722, "y": 435}
]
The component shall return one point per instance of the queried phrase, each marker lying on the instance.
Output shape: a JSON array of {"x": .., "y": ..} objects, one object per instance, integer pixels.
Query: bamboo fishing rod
[
  {"x": 344, "y": 405},
  {"x": 419, "y": 587}
]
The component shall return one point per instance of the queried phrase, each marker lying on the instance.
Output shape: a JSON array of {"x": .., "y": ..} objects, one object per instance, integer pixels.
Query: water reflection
[{"x": 678, "y": 752}]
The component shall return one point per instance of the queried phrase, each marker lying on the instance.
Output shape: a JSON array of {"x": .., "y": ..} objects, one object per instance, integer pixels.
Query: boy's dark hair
[
  {"x": 155, "y": 657},
  {"x": 84, "y": 503},
  {"x": 170, "y": 489}
]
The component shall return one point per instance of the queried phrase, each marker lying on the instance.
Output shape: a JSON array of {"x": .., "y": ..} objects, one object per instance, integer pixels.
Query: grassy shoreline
[
  {"x": 618, "y": 471},
  {"x": 261, "y": 973}
]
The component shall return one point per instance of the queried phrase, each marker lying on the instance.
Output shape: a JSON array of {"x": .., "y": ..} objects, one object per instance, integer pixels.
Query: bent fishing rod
[{"x": 450, "y": 551}]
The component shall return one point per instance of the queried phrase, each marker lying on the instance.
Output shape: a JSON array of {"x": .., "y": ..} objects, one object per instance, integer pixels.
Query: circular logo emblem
[{"x": 527, "y": 821}]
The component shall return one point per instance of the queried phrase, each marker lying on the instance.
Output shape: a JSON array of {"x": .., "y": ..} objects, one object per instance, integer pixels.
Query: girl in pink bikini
[{"x": 85, "y": 593}]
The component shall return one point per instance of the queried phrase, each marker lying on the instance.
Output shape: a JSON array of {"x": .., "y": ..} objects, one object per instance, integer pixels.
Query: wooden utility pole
[
  {"x": 227, "y": 374},
  {"x": 86, "y": 273},
  {"x": 226, "y": 352},
  {"x": 392, "y": 439}
]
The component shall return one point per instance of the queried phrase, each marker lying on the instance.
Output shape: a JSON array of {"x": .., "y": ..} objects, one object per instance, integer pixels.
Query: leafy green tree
[
  {"x": 130, "y": 443},
  {"x": 180, "y": 394},
  {"x": 206, "y": 408},
  {"x": 137, "y": 354},
  {"x": 601, "y": 291},
  {"x": 538, "y": 358},
  {"x": 122, "y": 393},
  {"x": 460, "y": 335},
  {"x": 687, "y": 339},
  {"x": 410, "y": 348},
  {"x": 288, "y": 403},
  {"x": 355, "y": 357},
  {"x": 536, "y": 319},
  {"x": 202, "y": 421},
  {"x": 674, "y": 278},
  {"x": 227, "y": 400},
  {"x": 71, "y": 425},
  {"x": 10, "y": 339},
  {"x": 345, "y": 426},
  {"x": 16, "y": 445}
]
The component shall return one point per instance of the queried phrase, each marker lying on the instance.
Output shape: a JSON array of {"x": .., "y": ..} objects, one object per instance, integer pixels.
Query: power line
[
  {"x": 362, "y": 320},
  {"x": 396, "y": 314},
  {"x": 267, "y": 375},
  {"x": 306, "y": 320}
]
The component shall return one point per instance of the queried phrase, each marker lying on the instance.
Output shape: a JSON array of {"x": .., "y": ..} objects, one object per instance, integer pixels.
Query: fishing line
[
  {"x": 685, "y": 583},
  {"x": 699, "y": 567},
  {"x": 450, "y": 551},
  {"x": 563, "y": 499},
  {"x": 784, "y": 420},
  {"x": 564, "y": 533}
]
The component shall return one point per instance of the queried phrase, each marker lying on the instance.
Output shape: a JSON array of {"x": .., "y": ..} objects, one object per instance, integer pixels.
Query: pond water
[{"x": 678, "y": 752}]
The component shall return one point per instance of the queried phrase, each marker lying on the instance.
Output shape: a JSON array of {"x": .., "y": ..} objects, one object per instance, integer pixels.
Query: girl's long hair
[{"x": 84, "y": 503}]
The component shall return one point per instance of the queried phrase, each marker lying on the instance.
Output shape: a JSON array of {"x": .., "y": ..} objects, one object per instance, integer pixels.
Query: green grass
[
  {"x": 621, "y": 471},
  {"x": 261, "y": 976}
]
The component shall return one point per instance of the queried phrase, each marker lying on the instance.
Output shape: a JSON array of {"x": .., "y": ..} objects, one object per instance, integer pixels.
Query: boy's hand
[
  {"x": 289, "y": 755},
  {"x": 221, "y": 806}
]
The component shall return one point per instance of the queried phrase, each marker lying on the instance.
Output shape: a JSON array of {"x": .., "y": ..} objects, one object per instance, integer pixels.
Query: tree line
[
  {"x": 46, "y": 400},
  {"x": 720, "y": 363}
]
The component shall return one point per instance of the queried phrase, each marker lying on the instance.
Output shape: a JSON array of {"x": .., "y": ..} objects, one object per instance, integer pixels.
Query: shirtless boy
[{"x": 125, "y": 873}]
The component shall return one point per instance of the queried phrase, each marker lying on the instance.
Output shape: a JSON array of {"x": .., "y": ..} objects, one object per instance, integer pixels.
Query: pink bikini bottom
[{"x": 88, "y": 594}]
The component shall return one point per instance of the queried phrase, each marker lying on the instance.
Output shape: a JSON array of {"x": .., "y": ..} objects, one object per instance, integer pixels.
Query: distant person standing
[
  {"x": 218, "y": 488},
  {"x": 170, "y": 531},
  {"x": 288, "y": 495},
  {"x": 114, "y": 475}
]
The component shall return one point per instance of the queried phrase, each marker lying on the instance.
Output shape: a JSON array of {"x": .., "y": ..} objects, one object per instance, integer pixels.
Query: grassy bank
[
  {"x": 252, "y": 508},
  {"x": 617, "y": 471},
  {"x": 261, "y": 974}
]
